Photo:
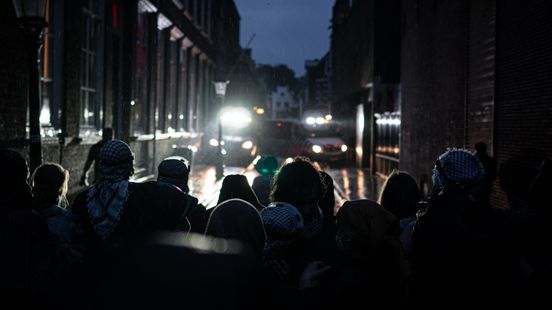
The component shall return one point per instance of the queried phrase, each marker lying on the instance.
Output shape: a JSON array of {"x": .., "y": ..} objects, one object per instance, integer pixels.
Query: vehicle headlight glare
[
  {"x": 237, "y": 117},
  {"x": 317, "y": 149},
  {"x": 247, "y": 145}
]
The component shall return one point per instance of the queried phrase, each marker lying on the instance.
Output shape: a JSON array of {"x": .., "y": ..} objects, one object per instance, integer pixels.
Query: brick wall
[
  {"x": 433, "y": 77},
  {"x": 481, "y": 77},
  {"x": 523, "y": 94},
  {"x": 13, "y": 78}
]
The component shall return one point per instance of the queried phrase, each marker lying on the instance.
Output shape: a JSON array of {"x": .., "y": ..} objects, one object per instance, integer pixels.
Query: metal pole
[
  {"x": 32, "y": 27},
  {"x": 220, "y": 157}
]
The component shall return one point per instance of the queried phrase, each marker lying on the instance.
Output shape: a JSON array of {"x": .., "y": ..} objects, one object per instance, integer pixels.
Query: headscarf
[
  {"x": 237, "y": 186},
  {"x": 458, "y": 168},
  {"x": 237, "y": 219},
  {"x": 400, "y": 195},
  {"x": 366, "y": 223},
  {"x": 283, "y": 224},
  {"x": 175, "y": 170},
  {"x": 107, "y": 198}
]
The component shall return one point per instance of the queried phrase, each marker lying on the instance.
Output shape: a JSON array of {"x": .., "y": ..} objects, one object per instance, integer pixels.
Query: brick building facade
[
  {"x": 477, "y": 71},
  {"x": 365, "y": 79},
  {"x": 144, "y": 68}
]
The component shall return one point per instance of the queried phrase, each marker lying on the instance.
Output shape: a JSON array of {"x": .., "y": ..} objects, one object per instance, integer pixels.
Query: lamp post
[
  {"x": 220, "y": 90},
  {"x": 30, "y": 17}
]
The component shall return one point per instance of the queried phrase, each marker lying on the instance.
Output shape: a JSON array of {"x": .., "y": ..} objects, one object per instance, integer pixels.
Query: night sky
[{"x": 287, "y": 31}]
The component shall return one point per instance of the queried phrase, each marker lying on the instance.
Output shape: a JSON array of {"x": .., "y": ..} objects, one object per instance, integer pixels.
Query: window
[
  {"x": 50, "y": 108},
  {"x": 140, "y": 107},
  {"x": 90, "y": 103}
]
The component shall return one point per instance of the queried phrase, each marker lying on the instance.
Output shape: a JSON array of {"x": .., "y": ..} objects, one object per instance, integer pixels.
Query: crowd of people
[{"x": 282, "y": 244}]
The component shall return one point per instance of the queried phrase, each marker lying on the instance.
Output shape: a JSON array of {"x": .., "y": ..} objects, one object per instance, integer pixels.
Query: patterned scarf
[
  {"x": 107, "y": 198},
  {"x": 458, "y": 168},
  {"x": 283, "y": 225}
]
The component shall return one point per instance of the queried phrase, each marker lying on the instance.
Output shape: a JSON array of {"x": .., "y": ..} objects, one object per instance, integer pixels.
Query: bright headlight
[
  {"x": 213, "y": 142},
  {"x": 319, "y": 120},
  {"x": 343, "y": 148},
  {"x": 237, "y": 117},
  {"x": 247, "y": 145},
  {"x": 311, "y": 120},
  {"x": 317, "y": 149}
]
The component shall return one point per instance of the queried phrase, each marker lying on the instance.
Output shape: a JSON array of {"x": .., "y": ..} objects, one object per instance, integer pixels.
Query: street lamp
[
  {"x": 220, "y": 91},
  {"x": 30, "y": 17}
]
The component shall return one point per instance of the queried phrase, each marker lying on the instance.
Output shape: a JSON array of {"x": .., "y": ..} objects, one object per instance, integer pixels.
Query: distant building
[
  {"x": 318, "y": 88},
  {"x": 282, "y": 103}
]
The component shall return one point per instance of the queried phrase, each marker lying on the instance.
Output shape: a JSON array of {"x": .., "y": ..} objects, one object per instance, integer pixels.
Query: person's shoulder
[{"x": 79, "y": 204}]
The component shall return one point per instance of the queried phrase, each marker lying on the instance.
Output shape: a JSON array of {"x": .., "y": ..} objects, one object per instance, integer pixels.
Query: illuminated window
[{"x": 91, "y": 106}]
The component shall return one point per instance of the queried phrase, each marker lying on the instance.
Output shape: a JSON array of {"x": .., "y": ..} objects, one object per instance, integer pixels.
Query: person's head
[
  {"x": 400, "y": 195},
  {"x": 14, "y": 186},
  {"x": 458, "y": 168},
  {"x": 116, "y": 160},
  {"x": 363, "y": 224},
  {"x": 237, "y": 186},
  {"x": 283, "y": 224},
  {"x": 267, "y": 165},
  {"x": 237, "y": 219},
  {"x": 107, "y": 134},
  {"x": 175, "y": 170},
  {"x": 50, "y": 184},
  {"x": 480, "y": 148},
  {"x": 299, "y": 184}
]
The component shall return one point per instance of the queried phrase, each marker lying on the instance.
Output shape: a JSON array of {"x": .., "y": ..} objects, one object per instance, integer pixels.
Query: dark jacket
[{"x": 150, "y": 206}]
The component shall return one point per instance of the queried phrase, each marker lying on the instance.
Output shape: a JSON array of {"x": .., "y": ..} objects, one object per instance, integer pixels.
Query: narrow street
[{"x": 350, "y": 183}]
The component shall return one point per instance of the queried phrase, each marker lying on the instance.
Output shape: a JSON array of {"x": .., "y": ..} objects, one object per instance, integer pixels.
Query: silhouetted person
[
  {"x": 463, "y": 250},
  {"x": 489, "y": 165},
  {"x": 239, "y": 220},
  {"x": 175, "y": 170},
  {"x": 373, "y": 269},
  {"x": 237, "y": 186},
  {"x": 94, "y": 157},
  {"x": 267, "y": 167},
  {"x": 400, "y": 196},
  {"x": 299, "y": 184},
  {"x": 49, "y": 187},
  {"x": 115, "y": 210},
  {"x": 26, "y": 258}
]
